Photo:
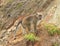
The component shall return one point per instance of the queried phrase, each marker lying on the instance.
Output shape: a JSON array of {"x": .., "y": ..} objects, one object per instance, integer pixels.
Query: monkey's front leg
[
  {"x": 33, "y": 27},
  {"x": 28, "y": 28}
]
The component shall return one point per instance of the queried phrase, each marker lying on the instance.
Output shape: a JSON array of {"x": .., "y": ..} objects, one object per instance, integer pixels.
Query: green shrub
[
  {"x": 55, "y": 44},
  {"x": 19, "y": 5},
  {"x": 52, "y": 29},
  {"x": 58, "y": 31},
  {"x": 31, "y": 37}
]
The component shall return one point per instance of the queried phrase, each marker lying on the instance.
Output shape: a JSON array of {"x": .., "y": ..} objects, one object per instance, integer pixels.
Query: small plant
[
  {"x": 19, "y": 5},
  {"x": 31, "y": 37},
  {"x": 55, "y": 44},
  {"x": 58, "y": 31},
  {"x": 52, "y": 29}
]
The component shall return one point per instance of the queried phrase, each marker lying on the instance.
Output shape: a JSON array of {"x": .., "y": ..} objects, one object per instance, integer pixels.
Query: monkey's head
[{"x": 39, "y": 16}]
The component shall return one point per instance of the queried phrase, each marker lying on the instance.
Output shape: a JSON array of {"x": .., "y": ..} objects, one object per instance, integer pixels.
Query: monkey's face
[{"x": 39, "y": 16}]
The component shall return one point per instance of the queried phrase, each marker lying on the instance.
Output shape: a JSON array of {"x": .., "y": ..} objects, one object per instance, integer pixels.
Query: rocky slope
[{"x": 13, "y": 11}]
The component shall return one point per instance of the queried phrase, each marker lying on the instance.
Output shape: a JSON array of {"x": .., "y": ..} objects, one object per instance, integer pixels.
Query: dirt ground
[{"x": 45, "y": 39}]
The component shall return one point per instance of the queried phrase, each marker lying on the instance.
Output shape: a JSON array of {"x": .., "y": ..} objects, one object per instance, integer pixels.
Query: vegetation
[
  {"x": 19, "y": 5},
  {"x": 58, "y": 31},
  {"x": 52, "y": 29},
  {"x": 55, "y": 44},
  {"x": 31, "y": 37}
]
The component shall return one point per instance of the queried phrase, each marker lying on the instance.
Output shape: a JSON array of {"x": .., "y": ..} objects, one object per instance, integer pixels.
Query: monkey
[{"x": 30, "y": 20}]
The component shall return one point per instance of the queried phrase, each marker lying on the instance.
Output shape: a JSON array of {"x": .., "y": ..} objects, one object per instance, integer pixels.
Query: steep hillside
[{"x": 11, "y": 14}]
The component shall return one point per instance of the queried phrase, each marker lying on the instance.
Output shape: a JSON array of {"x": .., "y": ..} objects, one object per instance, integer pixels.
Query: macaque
[{"x": 29, "y": 23}]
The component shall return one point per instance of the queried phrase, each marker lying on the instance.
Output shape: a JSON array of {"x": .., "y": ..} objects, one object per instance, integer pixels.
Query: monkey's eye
[
  {"x": 9, "y": 15},
  {"x": 39, "y": 15}
]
